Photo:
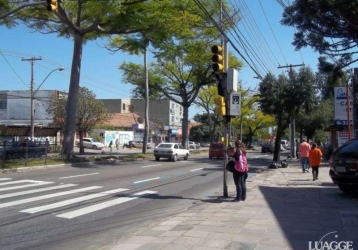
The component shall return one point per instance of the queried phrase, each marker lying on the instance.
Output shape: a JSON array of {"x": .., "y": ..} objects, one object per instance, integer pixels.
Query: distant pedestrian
[
  {"x": 315, "y": 156},
  {"x": 240, "y": 174},
  {"x": 117, "y": 144},
  {"x": 297, "y": 145},
  {"x": 110, "y": 145},
  {"x": 47, "y": 145},
  {"x": 304, "y": 151}
]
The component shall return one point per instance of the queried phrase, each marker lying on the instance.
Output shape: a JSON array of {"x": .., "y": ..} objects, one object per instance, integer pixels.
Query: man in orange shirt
[
  {"x": 315, "y": 156},
  {"x": 304, "y": 153}
]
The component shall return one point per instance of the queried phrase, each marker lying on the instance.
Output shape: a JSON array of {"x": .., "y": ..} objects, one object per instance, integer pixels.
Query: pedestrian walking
[
  {"x": 117, "y": 144},
  {"x": 297, "y": 145},
  {"x": 304, "y": 151},
  {"x": 240, "y": 174},
  {"x": 110, "y": 145},
  {"x": 315, "y": 157}
]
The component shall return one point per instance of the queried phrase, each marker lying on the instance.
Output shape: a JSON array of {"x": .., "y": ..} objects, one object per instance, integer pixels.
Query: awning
[{"x": 13, "y": 130}]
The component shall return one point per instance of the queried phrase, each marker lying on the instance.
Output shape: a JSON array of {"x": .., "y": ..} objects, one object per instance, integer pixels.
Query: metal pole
[
  {"x": 348, "y": 111},
  {"x": 32, "y": 113}
]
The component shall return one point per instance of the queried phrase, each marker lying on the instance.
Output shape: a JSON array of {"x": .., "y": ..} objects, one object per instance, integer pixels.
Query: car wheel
[
  {"x": 210, "y": 157},
  {"x": 94, "y": 147},
  {"x": 175, "y": 158},
  {"x": 186, "y": 157},
  {"x": 348, "y": 189},
  {"x": 157, "y": 158}
]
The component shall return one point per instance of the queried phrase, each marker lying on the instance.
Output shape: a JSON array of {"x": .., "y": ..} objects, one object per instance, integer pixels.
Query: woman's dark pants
[{"x": 239, "y": 179}]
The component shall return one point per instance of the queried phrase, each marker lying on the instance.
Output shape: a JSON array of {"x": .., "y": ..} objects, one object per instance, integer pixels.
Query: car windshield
[
  {"x": 348, "y": 150},
  {"x": 94, "y": 140},
  {"x": 165, "y": 145}
]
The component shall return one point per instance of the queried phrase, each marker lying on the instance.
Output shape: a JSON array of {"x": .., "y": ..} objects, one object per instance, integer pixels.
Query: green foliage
[{"x": 328, "y": 26}]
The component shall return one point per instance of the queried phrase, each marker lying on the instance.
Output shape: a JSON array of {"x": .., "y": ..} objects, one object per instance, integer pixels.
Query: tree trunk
[
  {"x": 185, "y": 125},
  {"x": 277, "y": 149},
  {"x": 146, "y": 105},
  {"x": 82, "y": 149},
  {"x": 70, "y": 123}
]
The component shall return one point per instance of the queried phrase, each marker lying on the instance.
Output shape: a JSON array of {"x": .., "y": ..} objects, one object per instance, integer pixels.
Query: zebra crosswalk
[{"x": 7, "y": 184}]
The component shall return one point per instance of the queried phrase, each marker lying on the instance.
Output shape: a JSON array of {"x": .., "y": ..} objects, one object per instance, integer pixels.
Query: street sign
[{"x": 235, "y": 104}]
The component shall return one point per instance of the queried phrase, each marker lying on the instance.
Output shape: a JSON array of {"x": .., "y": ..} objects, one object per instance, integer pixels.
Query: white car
[
  {"x": 171, "y": 151},
  {"x": 192, "y": 145},
  {"x": 91, "y": 143}
]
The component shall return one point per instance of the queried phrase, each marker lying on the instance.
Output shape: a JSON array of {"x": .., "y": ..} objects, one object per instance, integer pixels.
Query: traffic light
[
  {"x": 220, "y": 106},
  {"x": 52, "y": 5},
  {"x": 218, "y": 58}
]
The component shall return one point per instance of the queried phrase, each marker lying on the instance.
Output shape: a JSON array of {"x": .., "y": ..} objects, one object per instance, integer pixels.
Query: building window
[
  {"x": 180, "y": 108},
  {"x": 172, "y": 105},
  {"x": 124, "y": 106},
  {"x": 172, "y": 118}
]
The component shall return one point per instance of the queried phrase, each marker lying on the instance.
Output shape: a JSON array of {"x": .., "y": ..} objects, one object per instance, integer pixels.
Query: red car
[{"x": 216, "y": 149}]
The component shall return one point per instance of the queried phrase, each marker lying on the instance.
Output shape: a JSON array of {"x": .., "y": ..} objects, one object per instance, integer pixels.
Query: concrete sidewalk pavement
[{"x": 285, "y": 209}]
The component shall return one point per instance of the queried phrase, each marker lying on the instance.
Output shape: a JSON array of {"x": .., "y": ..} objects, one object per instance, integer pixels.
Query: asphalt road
[{"x": 92, "y": 207}]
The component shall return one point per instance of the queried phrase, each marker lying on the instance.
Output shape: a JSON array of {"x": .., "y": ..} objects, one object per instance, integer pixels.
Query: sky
[{"x": 100, "y": 73}]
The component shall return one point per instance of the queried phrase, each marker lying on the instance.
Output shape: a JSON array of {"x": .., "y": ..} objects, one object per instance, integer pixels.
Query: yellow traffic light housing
[
  {"x": 52, "y": 5},
  {"x": 218, "y": 58},
  {"x": 220, "y": 106}
]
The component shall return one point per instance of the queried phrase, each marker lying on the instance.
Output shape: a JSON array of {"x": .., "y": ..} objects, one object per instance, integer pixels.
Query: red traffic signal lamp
[
  {"x": 52, "y": 5},
  {"x": 218, "y": 58},
  {"x": 220, "y": 106}
]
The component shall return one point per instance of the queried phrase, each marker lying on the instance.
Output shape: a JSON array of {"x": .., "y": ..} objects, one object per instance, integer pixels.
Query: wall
[{"x": 106, "y": 135}]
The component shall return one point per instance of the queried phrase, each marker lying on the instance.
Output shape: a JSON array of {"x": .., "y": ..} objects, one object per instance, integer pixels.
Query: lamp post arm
[{"x": 34, "y": 92}]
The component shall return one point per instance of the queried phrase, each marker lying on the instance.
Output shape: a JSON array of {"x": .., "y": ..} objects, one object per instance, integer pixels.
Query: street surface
[{"x": 92, "y": 207}]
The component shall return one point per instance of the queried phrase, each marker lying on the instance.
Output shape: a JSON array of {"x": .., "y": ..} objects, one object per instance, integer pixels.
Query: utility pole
[
  {"x": 32, "y": 60},
  {"x": 292, "y": 118},
  {"x": 355, "y": 104}
]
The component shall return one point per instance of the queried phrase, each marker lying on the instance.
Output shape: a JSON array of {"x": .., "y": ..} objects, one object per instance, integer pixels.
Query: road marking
[
  {"x": 103, "y": 205},
  {"x": 25, "y": 186},
  {"x": 16, "y": 182},
  {"x": 13, "y": 203},
  {"x": 197, "y": 169},
  {"x": 36, "y": 191},
  {"x": 72, "y": 201},
  {"x": 5, "y": 179},
  {"x": 151, "y": 166},
  {"x": 74, "y": 176},
  {"x": 136, "y": 182}
]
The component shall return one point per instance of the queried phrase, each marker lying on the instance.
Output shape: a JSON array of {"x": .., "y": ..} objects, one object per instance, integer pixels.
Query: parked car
[
  {"x": 91, "y": 143},
  {"x": 344, "y": 166},
  {"x": 285, "y": 144},
  {"x": 205, "y": 144},
  {"x": 266, "y": 147},
  {"x": 216, "y": 149},
  {"x": 193, "y": 145},
  {"x": 139, "y": 144},
  {"x": 18, "y": 150},
  {"x": 171, "y": 151}
]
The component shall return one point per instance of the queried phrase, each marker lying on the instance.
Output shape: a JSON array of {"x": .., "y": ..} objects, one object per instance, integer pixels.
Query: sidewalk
[{"x": 284, "y": 209}]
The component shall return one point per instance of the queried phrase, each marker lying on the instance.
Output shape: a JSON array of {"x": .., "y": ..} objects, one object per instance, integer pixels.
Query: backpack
[{"x": 241, "y": 164}]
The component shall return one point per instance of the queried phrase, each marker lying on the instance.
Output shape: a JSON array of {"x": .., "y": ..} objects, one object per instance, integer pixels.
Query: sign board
[
  {"x": 235, "y": 104},
  {"x": 343, "y": 138},
  {"x": 340, "y": 106}
]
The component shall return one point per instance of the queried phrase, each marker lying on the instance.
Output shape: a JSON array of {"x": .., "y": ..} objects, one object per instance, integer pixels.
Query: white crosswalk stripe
[
  {"x": 26, "y": 186},
  {"x": 103, "y": 205},
  {"x": 7, "y": 184},
  {"x": 36, "y": 191},
  {"x": 13, "y": 203},
  {"x": 72, "y": 201},
  {"x": 5, "y": 179}
]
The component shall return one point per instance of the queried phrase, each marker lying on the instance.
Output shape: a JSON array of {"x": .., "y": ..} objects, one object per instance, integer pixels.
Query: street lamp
[{"x": 32, "y": 93}]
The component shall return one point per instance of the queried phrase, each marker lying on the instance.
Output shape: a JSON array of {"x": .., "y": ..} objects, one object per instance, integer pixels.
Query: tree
[
  {"x": 328, "y": 26},
  {"x": 276, "y": 99},
  {"x": 89, "y": 112},
  {"x": 83, "y": 21}
]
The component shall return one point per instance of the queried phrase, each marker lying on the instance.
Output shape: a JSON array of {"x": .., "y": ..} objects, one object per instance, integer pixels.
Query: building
[
  {"x": 15, "y": 107},
  {"x": 164, "y": 111}
]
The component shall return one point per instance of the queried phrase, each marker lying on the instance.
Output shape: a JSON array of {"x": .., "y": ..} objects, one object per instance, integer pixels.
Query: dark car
[
  {"x": 216, "y": 149},
  {"x": 20, "y": 150},
  {"x": 344, "y": 167},
  {"x": 266, "y": 147}
]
